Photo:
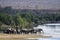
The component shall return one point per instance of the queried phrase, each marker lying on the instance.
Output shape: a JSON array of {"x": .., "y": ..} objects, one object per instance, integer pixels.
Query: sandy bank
[{"x": 20, "y": 36}]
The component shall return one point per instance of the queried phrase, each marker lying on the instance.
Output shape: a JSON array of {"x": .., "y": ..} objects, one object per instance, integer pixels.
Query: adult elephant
[
  {"x": 9, "y": 31},
  {"x": 40, "y": 31},
  {"x": 23, "y": 31}
]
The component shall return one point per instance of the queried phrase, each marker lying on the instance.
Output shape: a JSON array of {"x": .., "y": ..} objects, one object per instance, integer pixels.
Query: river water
[{"x": 50, "y": 30}]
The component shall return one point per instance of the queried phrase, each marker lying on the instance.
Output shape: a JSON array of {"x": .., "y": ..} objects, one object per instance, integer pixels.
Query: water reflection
[
  {"x": 46, "y": 39},
  {"x": 50, "y": 30},
  {"x": 49, "y": 39}
]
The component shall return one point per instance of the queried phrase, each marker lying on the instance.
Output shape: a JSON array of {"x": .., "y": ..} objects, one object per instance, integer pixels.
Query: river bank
[{"x": 20, "y": 36}]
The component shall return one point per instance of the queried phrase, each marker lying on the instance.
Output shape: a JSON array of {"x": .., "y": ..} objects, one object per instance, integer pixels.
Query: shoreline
[{"x": 21, "y": 36}]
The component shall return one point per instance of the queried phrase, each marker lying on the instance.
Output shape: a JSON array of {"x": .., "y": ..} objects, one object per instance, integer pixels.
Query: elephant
[
  {"x": 24, "y": 31},
  {"x": 7, "y": 31}
]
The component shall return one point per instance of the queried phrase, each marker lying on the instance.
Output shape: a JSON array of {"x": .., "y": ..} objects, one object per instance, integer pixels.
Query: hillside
[{"x": 12, "y": 11}]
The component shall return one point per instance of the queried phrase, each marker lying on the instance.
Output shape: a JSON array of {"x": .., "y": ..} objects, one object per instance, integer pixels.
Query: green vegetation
[
  {"x": 25, "y": 18},
  {"x": 18, "y": 20}
]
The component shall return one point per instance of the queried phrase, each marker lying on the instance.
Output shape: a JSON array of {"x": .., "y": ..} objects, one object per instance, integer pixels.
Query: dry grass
[{"x": 18, "y": 36}]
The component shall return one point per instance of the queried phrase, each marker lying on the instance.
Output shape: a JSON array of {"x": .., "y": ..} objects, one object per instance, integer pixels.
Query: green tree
[{"x": 0, "y": 26}]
